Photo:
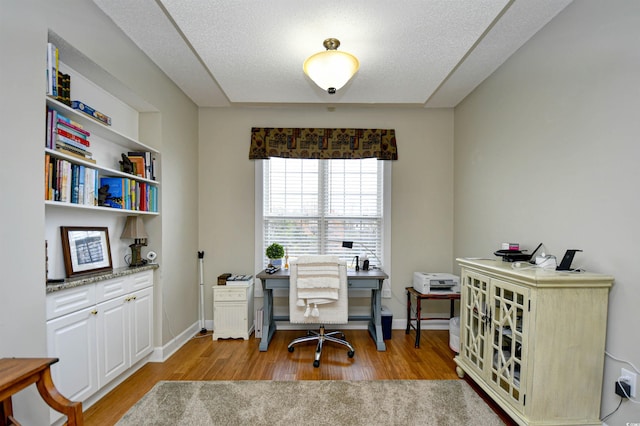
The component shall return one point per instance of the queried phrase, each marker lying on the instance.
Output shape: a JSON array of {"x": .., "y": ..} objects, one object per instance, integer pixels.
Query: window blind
[{"x": 311, "y": 206}]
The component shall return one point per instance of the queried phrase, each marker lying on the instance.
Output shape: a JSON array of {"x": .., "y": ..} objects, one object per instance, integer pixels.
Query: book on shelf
[
  {"x": 117, "y": 191},
  {"x": 73, "y": 136},
  {"x": 73, "y": 125},
  {"x": 52, "y": 70},
  {"x": 71, "y": 143},
  {"x": 139, "y": 168},
  {"x": 68, "y": 151},
  {"x": 148, "y": 162},
  {"x": 91, "y": 112},
  {"x": 64, "y": 88},
  {"x": 68, "y": 182}
]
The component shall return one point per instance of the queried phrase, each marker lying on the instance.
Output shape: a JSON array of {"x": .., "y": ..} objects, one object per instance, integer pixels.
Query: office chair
[{"x": 318, "y": 295}]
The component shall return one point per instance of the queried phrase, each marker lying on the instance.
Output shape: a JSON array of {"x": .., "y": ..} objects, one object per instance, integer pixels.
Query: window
[{"x": 311, "y": 206}]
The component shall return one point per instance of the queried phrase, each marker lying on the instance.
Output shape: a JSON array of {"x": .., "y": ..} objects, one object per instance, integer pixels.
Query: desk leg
[
  {"x": 268, "y": 324},
  {"x": 418, "y": 320},
  {"x": 408, "y": 330},
  {"x": 375, "y": 324}
]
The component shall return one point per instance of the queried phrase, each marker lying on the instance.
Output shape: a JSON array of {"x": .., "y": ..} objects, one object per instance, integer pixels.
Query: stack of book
[
  {"x": 69, "y": 183},
  {"x": 67, "y": 136},
  {"x": 58, "y": 83}
]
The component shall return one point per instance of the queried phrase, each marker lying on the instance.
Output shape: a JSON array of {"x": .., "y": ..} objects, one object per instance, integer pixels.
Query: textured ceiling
[{"x": 428, "y": 53}]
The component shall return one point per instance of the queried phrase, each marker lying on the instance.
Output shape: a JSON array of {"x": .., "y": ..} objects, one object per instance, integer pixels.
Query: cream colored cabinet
[
  {"x": 232, "y": 311},
  {"x": 534, "y": 340},
  {"x": 98, "y": 331}
]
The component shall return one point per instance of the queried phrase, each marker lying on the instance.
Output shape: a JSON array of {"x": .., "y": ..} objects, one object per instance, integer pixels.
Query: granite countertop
[{"x": 101, "y": 276}]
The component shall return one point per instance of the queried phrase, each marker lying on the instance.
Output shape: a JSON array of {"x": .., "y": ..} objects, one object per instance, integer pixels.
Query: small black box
[{"x": 387, "y": 319}]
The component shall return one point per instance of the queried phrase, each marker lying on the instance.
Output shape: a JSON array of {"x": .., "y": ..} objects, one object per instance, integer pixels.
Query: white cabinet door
[
  {"x": 72, "y": 339},
  {"x": 475, "y": 320},
  {"x": 508, "y": 344},
  {"x": 140, "y": 308},
  {"x": 113, "y": 339}
]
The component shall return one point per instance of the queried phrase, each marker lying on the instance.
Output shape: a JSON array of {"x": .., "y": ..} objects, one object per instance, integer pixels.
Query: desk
[
  {"x": 18, "y": 373},
  {"x": 419, "y": 298},
  {"x": 371, "y": 280}
]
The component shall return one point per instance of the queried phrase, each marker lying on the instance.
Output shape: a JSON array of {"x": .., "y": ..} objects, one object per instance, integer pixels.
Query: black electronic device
[
  {"x": 565, "y": 264},
  {"x": 272, "y": 269},
  {"x": 516, "y": 255}
]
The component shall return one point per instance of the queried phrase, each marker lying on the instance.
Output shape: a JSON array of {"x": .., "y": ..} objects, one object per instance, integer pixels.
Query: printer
[{"x": 425, "y": 282}]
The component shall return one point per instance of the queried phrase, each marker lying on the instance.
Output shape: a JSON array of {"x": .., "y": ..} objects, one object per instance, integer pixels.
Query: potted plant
[{"x": 275, "y": 252}]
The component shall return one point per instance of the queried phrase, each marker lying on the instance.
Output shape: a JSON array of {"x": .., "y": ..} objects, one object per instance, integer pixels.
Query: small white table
[{"x": 233, "y": 311}]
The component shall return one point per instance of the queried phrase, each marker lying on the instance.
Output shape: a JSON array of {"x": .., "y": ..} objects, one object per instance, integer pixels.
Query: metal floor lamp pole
[{"x": 203, "y": 329}]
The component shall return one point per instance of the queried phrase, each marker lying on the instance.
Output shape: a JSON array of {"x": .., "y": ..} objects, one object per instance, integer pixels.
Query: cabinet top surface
[
  {"x": 534, "y": 276},
  {"x": 101, "y": 276}
]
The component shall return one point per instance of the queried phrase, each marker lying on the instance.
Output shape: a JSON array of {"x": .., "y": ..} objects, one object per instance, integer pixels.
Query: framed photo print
[{"x": 86, "y": 250}]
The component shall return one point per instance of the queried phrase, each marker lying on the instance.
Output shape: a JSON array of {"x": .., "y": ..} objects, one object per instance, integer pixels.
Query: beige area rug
[{"x": 312, "y": 402}]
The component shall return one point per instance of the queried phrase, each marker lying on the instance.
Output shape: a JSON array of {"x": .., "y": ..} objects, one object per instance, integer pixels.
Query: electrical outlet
[{"x": 631, "y": 378}]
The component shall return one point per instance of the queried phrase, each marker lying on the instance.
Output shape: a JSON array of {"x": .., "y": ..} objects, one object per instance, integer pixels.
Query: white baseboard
[{"x": 161, "y": 354}]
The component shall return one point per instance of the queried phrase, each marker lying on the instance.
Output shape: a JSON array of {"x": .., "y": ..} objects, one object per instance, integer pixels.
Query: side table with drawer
[{"x": 233, "y": 311}]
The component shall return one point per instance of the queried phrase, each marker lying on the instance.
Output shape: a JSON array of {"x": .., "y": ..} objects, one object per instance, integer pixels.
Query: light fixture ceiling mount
[{"x": 331, "y": 69}]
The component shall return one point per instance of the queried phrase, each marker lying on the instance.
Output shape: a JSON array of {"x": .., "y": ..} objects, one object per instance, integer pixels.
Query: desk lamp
[
  {"x": 134, "y": 229},
  {"x": 349, "y": 244}
]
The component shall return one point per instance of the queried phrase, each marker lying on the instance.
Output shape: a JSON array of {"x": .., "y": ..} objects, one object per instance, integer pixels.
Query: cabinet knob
[{"x": 94, "y": 312}]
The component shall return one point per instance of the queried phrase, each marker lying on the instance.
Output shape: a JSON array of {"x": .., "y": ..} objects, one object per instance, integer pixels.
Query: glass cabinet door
[
  {"x": 509, "y": 318},
  {"x": 474, "y": 319}
]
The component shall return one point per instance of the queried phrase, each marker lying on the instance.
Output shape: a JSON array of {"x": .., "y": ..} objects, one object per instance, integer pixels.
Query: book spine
[
  {"x": 74, "y": 183},
  {"x": 47, "y": 161},
  {"x": 80, "y": 106},
  {"x": 72, "y": 136},
  {"x": 81, "y": 173},
  {"x": 70, "y": 142},
  {"x": 52, "y": 69},
  {"x": 72, "y": 125}
]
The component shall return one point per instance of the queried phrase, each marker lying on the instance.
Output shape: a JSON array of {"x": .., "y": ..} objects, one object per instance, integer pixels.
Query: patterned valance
[{"x": 323, "y": 143}]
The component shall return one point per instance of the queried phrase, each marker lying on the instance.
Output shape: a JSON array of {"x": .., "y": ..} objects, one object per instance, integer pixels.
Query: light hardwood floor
[{"x": 204, "y": 359}]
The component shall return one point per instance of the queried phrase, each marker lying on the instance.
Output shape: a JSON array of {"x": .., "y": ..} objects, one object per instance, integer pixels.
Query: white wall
[
  {"x": 422, "y": 187},
  {"x": 172, "y": 128},
  {"x": 547, "y": 149}
]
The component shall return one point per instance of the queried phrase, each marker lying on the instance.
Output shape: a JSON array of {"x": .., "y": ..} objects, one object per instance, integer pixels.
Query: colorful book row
[
  {"x": 69, "y": 183},
  {"x": 129, "y": 194}
]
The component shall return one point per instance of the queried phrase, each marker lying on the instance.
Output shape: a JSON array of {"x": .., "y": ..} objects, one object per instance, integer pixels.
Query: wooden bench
[{"x": 18, "y": 373}]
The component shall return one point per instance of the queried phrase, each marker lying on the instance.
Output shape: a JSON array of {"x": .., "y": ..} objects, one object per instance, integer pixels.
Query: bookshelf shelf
[
  {"x": 61, "y": 204},
  {"x": 99, "y": 129},
  {"x": 106, "y": 171}
]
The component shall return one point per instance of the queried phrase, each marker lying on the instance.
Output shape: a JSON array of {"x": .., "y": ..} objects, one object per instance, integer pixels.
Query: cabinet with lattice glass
[{"x": 533, "y": 339}]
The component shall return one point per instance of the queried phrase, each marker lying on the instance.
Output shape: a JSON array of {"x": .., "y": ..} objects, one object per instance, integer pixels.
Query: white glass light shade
[{"x": 331, "y": 68}]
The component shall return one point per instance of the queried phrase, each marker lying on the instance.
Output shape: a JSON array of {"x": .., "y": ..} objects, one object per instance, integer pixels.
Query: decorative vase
[{"x": 276, "y": 262}]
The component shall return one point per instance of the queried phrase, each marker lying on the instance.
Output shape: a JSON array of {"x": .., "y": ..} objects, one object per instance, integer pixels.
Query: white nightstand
[{"x": 233, "y": 311}]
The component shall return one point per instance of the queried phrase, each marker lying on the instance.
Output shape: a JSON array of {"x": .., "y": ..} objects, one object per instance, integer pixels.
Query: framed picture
[{"x": 86, "y": 249}]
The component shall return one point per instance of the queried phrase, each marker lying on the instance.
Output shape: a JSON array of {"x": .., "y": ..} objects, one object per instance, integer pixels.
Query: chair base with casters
[{"x": 321, "y": 336}]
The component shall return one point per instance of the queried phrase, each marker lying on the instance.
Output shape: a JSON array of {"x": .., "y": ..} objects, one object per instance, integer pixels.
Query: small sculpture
[
  {"x": 126, "y": 165},
  {"x": 103, "y": 194}
]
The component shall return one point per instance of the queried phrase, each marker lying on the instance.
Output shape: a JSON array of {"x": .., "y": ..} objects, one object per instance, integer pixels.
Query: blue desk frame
[{"x": 371, "y": 280}]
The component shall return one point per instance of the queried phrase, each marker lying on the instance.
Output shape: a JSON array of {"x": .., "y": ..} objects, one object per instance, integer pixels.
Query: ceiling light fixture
[{"x": 331, "y": 69}]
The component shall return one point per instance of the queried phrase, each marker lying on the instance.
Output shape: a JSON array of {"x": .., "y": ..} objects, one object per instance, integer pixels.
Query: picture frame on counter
[{"x": 86, "y": 250}]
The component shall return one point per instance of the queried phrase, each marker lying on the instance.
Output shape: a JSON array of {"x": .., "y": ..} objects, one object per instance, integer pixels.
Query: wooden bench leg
[{"x": 48, "y": 392}]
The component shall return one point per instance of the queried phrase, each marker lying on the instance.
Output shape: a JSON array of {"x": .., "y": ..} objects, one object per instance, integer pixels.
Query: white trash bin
[{"x": 454, "y": 334}]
